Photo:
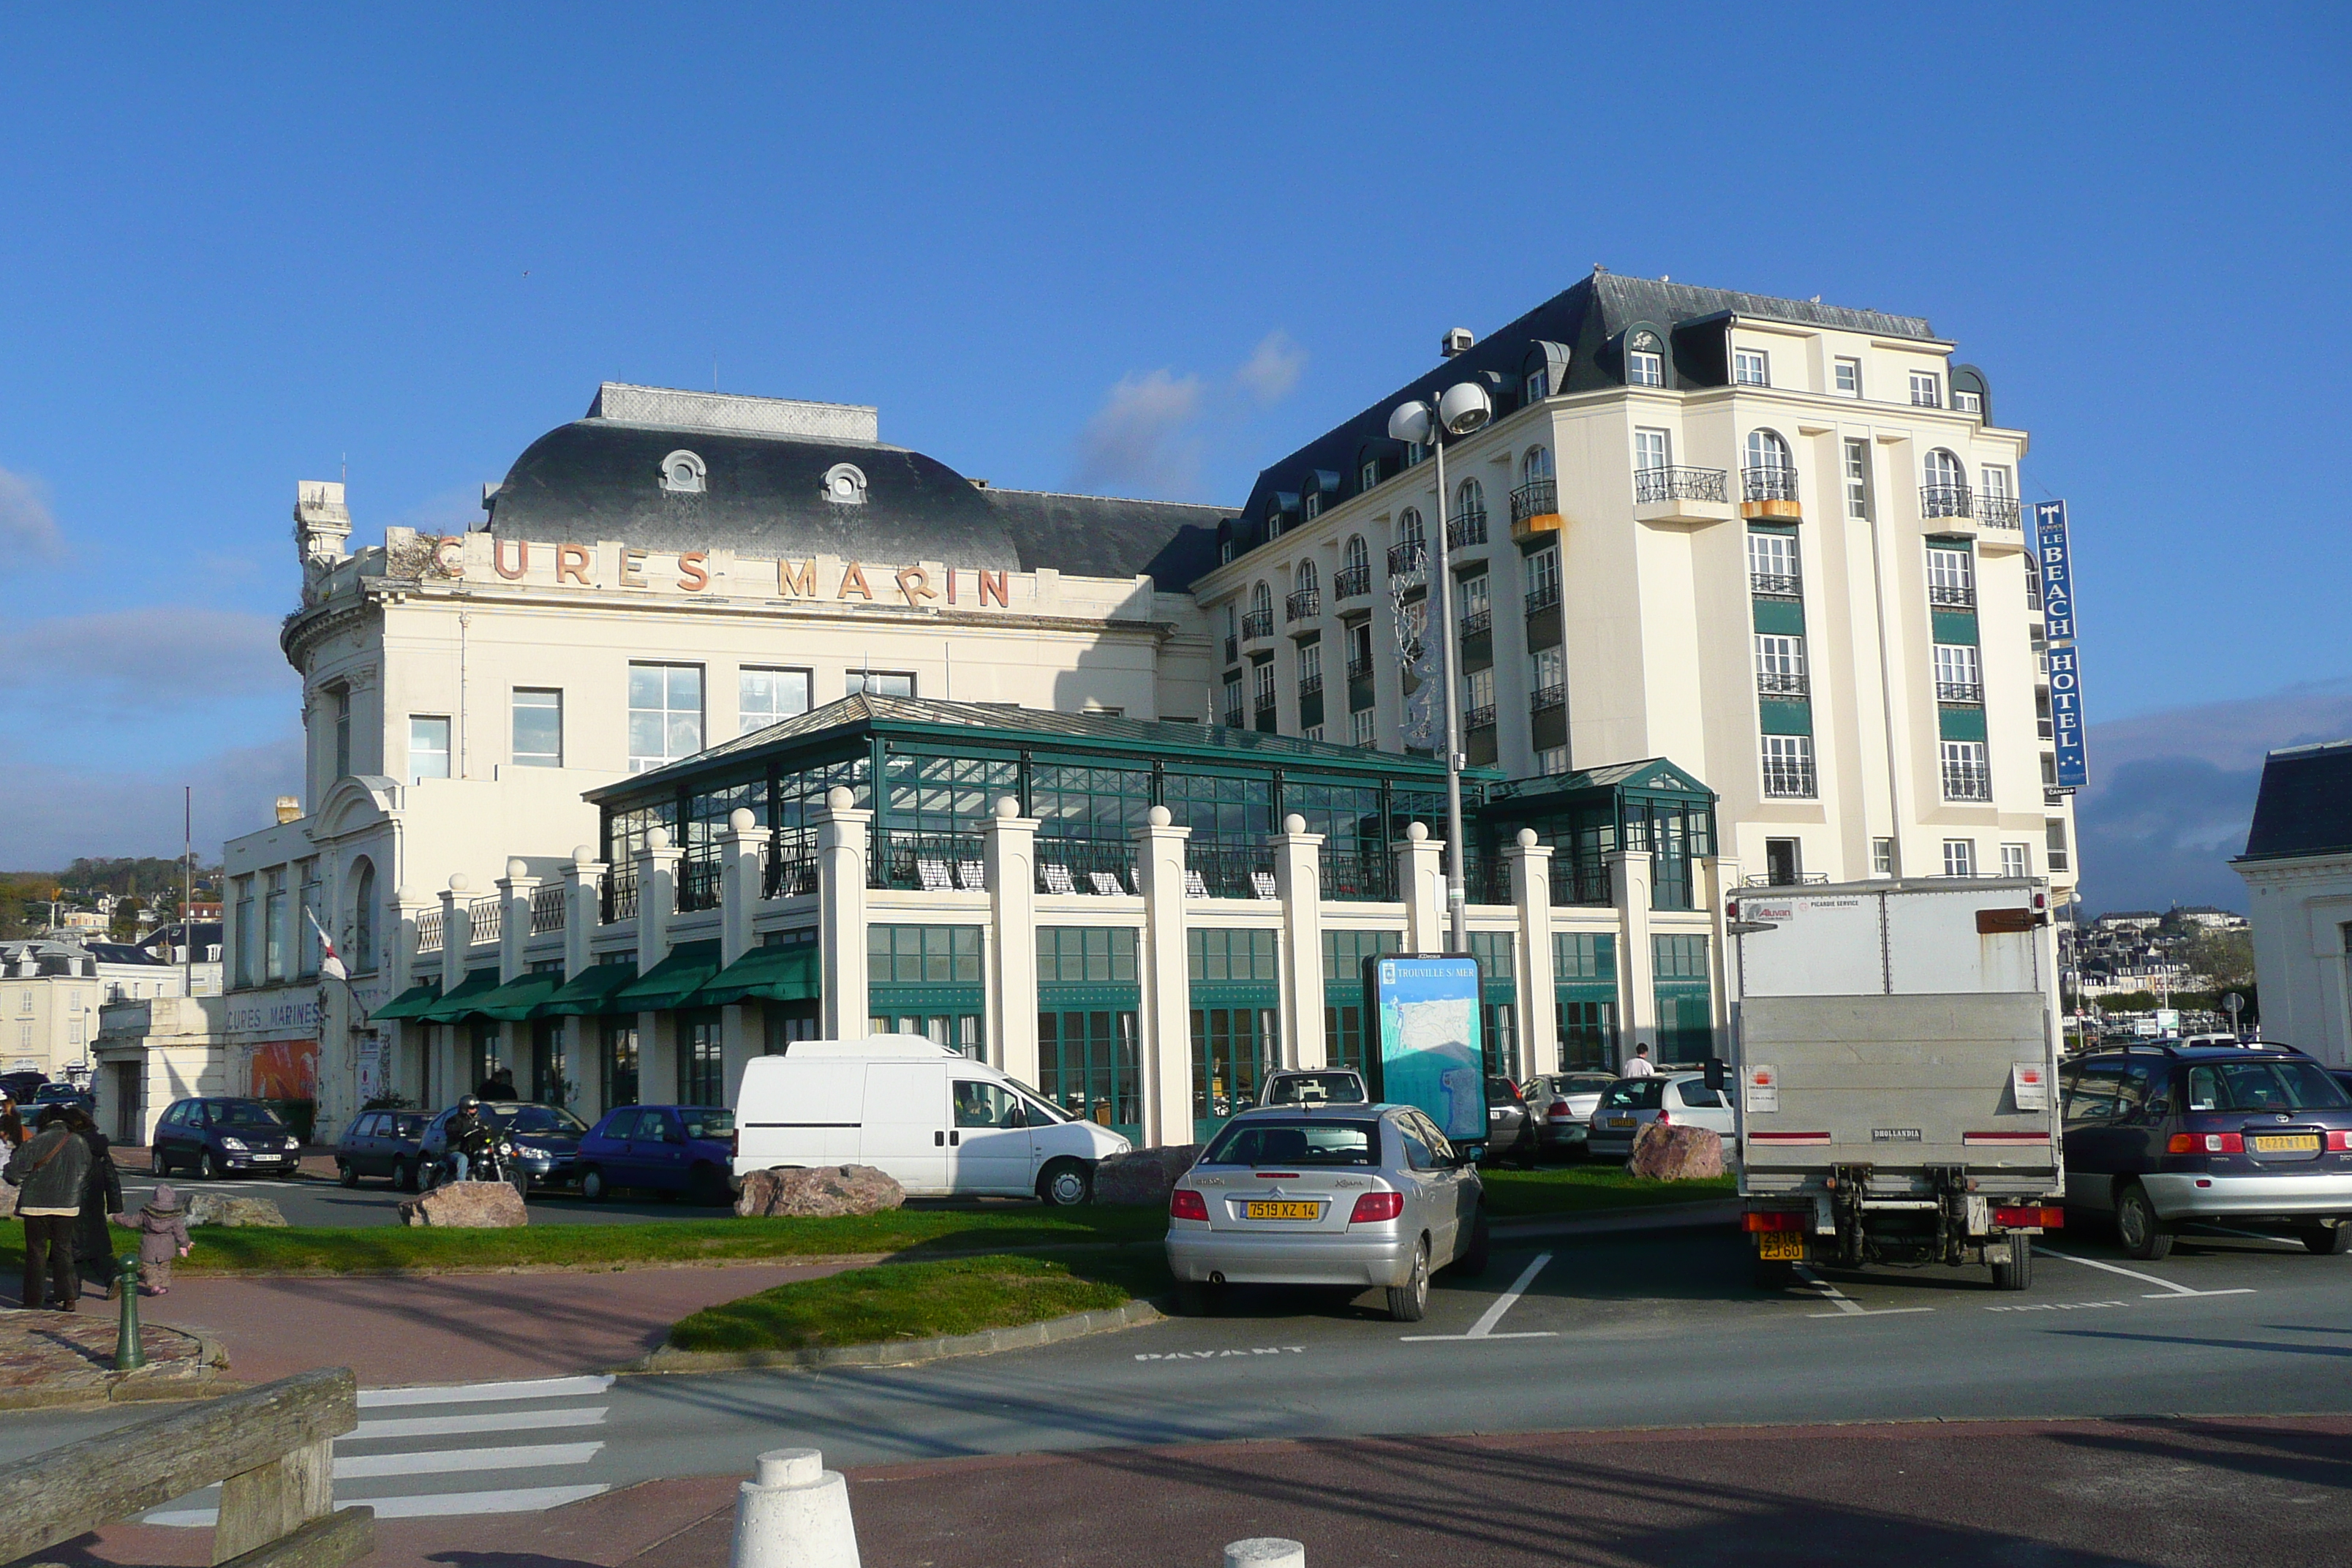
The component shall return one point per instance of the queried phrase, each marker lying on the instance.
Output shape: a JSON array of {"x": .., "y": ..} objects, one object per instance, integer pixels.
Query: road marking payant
[
  {"x": 2170, "y": 1291},
  {"x": 1847, "y": 1306},
  {"x": 1483, "y": 1329},
  {"x": 1214, "y": 1355}
]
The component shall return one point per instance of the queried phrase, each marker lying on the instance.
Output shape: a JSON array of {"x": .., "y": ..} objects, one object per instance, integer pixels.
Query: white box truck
[{"x": 1894, "y": 1049}]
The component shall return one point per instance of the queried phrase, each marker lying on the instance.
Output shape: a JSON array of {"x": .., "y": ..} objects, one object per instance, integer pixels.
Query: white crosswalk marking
[{"x": 445, "y": 1428}]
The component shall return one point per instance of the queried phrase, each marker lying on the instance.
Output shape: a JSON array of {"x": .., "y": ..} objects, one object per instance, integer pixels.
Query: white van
[{"x": 936, "y": 1121}]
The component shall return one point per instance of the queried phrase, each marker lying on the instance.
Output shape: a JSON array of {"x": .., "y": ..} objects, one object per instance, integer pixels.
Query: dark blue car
[{"x": 688, "y": 1149}]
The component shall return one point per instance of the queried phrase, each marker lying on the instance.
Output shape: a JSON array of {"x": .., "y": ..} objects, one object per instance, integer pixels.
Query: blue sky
[{"x": 1120, "y": 249}]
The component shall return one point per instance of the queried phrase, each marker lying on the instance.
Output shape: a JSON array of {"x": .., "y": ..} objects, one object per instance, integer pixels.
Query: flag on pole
[{"x": 331, "y": 964}]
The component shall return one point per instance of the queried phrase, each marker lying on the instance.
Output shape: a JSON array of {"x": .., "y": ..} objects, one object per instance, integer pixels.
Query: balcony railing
[
  {"x": 1959, "y": 691},
  {"x": 1232, "y": 650},
  {"x": 698, "y": 886},
  {"x": 548, "y": 909},
  {"x": 1653, "y": 485},
  {"x": 1782, "y": 682},
  {"x": 1998, "y": 511},
  {"x": 1543, "y": 597},
  {"x": 1468, "y": 528},
  {"x": 1311, "y": 685},
  {"x": 1777, "y": 585},
  {"x": 1575, "y": 882},
  {"x": 1945, "y": 501},
  {"x": 1359, "y": 669},
  {"x": 1548, "y": 697},
  {"x": 1226, "y": 871},
  {"x": 1257, "y": 626},
  {"x": 1351, "y": 582},
  {"x": 1967, "y": 780},
  {"x": 620, "y": 898},
  {"x": 1952, "y": 596},
  {"x": 1537, "y": 497},
  {"x": 1479, "y": 718},
  {"x": 1102, "y": 866},
  {"x": 1365, "y": 876},
  {"x": 1478, "y": 622},
  {"x": 1406, "y": 559},
  {"x": 791, "y": 869},
  {"x": 485, "y": 918},
  {"x": 1768, "y": 484},
  {"x": 1788, "y": 778},
  {"x": 429, "y": 932},
  {"x": 929, "y": 862},
  {"x": 1304, "y": 605}
]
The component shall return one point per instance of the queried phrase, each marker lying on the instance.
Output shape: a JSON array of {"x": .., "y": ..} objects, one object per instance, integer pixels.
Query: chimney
[
  {"x": 321, "y": 521},
  {"x": 1456, "y": 342},
  {"x": 289, "y": 807}
]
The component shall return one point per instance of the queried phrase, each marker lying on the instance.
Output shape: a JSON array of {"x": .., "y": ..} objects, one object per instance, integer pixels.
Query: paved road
[{"x": 1663, "y": 1329}]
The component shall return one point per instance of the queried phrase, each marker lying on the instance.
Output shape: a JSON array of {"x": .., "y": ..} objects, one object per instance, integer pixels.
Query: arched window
[
  {"x": 1469, "y": 522},
  {"x": 1944, "y": 489},
  {"x": 1944, "y": 468},
  {"x": 1409, "y": 527},
  {"x": 1536, "y": 464},
  {"x": 1356, "y": 555},
  {"x": 1303, "y": 579},
  {"x": 1468, "y": 497},
  {"x": 1766, "y": 451},
  {"x": 1771, "y": 475},
  {"x": 363, "y": 916}
]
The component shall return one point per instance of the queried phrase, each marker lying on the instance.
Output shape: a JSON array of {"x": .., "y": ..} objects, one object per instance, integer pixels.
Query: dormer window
[
  {"x": 1538, "y": 386},
  {"x": 1311, "y": 507},
  {"x": 1644, "y": 367},
  {"x": 682, "y": 473},
  {"x": 1967, "y": 401},
  {"x": 844, "y": 485},
  {"x": 1369, "y": 475},
  {"x": 1750, "y": 367},
  {"x": 1927, "y": 389}
]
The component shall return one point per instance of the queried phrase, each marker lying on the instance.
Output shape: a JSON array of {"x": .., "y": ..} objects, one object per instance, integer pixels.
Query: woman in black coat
[{"x": 101, "y": 1198}]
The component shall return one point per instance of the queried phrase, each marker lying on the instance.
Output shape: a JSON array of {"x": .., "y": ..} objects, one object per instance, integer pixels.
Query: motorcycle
[{"x": 497, "y": 1161}]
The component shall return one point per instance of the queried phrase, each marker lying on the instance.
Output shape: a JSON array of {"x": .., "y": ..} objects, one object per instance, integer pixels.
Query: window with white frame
[
  {"x": 1360, "y": 726},
  {"x": 1927, "y": 389},
  {"x": 538, "y": 727},
  {"x": 1998, "y": 485},
  {"x": 1944, "y": 472},
  {"x": 1750, "y": 367},
  {"x": 1882, "y": 856},
  {"x": 1645, "y": 367},
  {"x": 764, "y": 696},
  {"x": 1537, "y": 386},
  {"x": 1960, "y": 675},
  {"x": 1789, "y": 766},
  {"x": 1311, "y": 507},
  {"x": 665, "y": 714},
  {"x": 1968, "y": 775},
  {"x": 1305, "y": 579},
  {"x": 1233, "y": 700},
  {"x": 428, "y": 746},
  {"x": 1857, "y": 480},
  {"x": 880, "y": 683},
  {"x": 1780, "y": 664},
  {"x": 1540, "y": 575},
  {"x": 1311, "y": 667},
  {"x": 1261, "y": 683},
  {"x": 2014, "y": 861},
  {"x": 1534, "y": 465},
  {"x": 1369, "y": 475},
  {"x": 1312, "y": 733},
  {"x": 2056, "y": 845},
  {"x": 1552, "y": 761},
  {"x": 1848, "y": 376},
  {"x": 1952, "y": 577},
  {"x": 1477, "y": 608},
  {"x": 1964, "y": 402},
  {"x": 1766, "y": 451},
  {"x": 1478, "y": 697},
  {"x": 1960, "y": 856},
  {"x": 1550, "y": 665},
  {"x": 1408, "y": 528},
  {"x": 1653, "y": 448},
  {"x": 1772, "y": 566}
]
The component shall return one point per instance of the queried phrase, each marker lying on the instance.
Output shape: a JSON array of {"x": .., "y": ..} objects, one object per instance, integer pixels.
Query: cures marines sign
[{"x": 815, "y": 577}]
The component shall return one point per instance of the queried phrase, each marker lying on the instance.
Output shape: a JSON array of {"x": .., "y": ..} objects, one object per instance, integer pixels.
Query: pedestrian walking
[
  {"x": 1640, "y": 1066},
  {"x": 163, "y": 1227},
  {"x": 101, "y": 1198},
  {"x": 48, "y": 1172},
  {"x": 12, "y": 1122}
]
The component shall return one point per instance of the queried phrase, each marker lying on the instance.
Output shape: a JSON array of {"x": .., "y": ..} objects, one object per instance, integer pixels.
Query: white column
[
  {"x": 457, "y": 933},
  {"x": 584, "y": 908},
  {"x": 1637, "y": 1005},
  {"x": 738, "y": 883},
  {"x": 1719, "y": 882},
  {"x": 1531, "y": 864},
  {"x": 1298, "y": 878},
  {"x": 515, "y": 889},
  {"x": 1163, "y": 968},
  {"x": 657, "y": 897},
  {"x": 1010, "y": 852},
  {"x": 841, "y": 839},
  {"x": 1421, "y": 879}
]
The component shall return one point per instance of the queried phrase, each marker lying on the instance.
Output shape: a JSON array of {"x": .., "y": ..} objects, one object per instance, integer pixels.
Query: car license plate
[
  {"x": 1261, "y": 1210},
  {"x": 2285, "y": 1142},
  {"x": 1621, "y": 1121},
  {"x": 1781, "y": 1244}
]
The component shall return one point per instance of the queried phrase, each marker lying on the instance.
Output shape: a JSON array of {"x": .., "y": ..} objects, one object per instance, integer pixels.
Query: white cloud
[
  {"x": 1272, "y": 369},
  {"x": 162, "y": 656},
  {"x": 26, "y": 521},
  {"x": 1143, "y": 435},
  {"x": 57, "y": 812}
]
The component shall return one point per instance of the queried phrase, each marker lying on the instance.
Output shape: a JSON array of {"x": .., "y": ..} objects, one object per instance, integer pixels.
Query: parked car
[
  {"x": 673, "y": 1149},
  {"x": 388, "y": 1144},
  {"x": 1678, "y": 1098},
  {"x": 2160, "y": 1137},
  {"x": 1564, "y": 1103},
  {"x": 1512, "y": 1131},
  {"x": 934, "y": 1119},
  {"x": 1315, "y": 1086},
  {"x": 546, "y": 1139},
  {"x": 22, "y": 1086},
  {"x": 1351, "y": 1196},
  {"x": 50, "y": 1094},
  {"x": 219, "y": 1137}
]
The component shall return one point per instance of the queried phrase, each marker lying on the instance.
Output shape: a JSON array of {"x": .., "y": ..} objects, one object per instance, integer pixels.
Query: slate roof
[
  {"x": 2305, "y": 804},
  {"x": 1103, "y": 536}
]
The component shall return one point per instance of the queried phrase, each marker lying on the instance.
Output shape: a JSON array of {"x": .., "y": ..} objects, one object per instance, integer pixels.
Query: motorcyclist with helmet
[{"x": 469, "y": 1137}]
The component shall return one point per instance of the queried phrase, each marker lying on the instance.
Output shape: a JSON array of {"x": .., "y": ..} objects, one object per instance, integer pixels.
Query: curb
[
  {"x": 902, "y": 1352},
  {"x": 209, "y": 1380}
]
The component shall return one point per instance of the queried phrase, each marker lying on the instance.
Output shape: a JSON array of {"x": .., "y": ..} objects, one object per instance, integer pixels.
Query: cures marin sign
[{"x": 815, "y": 577}]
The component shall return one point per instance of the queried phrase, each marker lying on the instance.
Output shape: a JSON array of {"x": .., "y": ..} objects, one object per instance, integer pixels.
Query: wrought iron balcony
[
  {"x": 1257, "y": 626},
  {"x": 1408, "y": 558},
  {"x": 1359, "y": 669},
  {"x": 547, "y": 909},
  {"x": 1477, "y": 623},
  {"x": 698, "y": 886},
  {"x": 929, "y": 862},
  {"x": 1310, "y": 685},
  {"x": 1782, "y": 682},
  {"x": 1537, "y": 497},
  {"x": 1788, "y": 778},
  {"x": 1468, "y": 528},
  {"x": 1967, "y": 780},
  {"x": 1998, "y": 511},
  {"x": 1214, "y": 870},
  {"x": 1548, "y": 697},
  {"x": 1959, "y": 691},
  {"x": 1479, "y": 718},
  {"x": 1351, "y": 582},
  {"x": 1952, "y": 596},
  {"x": 1768, "y": 484},
  {"x": 485, "y": 918},
  {"x": 621, "y": 897},
  {"x": 429, "y": 932},
  {"x": 1543, "y": 597},
  {"x": 1359, "y": 875},
  {"x": 1777, "y": 585},
  {"x": 1945, "y": 501},
  {"x": 1304, "y": 605},
  {"x": 1651, "y": 485},
  {"x": 792, "y": 867}
]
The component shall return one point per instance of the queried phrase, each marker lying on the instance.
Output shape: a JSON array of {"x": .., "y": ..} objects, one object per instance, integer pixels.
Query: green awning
[
  {"x": 671, "y": 982},
  {"x": 513, "y": 1001},
  {"x": 588, "y": 993},
  {"x": 409, "y": 1004},
  {"x": 767, "y": 974},
  {"x": 460, "y": 1002}
]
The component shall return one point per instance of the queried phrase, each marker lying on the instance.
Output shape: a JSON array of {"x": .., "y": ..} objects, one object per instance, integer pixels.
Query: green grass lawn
[
  {"x": 1588, "y": 1189},
  {"x": 913, "y": 1301}
]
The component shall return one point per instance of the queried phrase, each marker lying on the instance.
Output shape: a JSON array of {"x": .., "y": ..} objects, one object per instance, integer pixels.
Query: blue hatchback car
[{"x": 688, "y": 1149}]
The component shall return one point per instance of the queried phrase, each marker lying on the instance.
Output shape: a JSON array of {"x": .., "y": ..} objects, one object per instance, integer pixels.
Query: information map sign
[
  {"x": 1423, "y": 1010},
  {"x": 2054, "y": 553}
]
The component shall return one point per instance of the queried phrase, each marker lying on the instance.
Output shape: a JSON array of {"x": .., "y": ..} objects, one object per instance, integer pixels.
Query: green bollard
[{"x": 129, "y": 1355}]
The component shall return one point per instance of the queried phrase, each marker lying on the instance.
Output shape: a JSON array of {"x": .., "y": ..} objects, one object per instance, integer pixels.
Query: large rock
[
  {"x": 819, "y": 1192},
  {"x": 218, "y": 1209},
  {"x": 1676, "y": 1154},
  {"x": 7, "y": 1200},
  {"x": 1143, "y": 1177},
  {"x": 462, "y": 1206}
]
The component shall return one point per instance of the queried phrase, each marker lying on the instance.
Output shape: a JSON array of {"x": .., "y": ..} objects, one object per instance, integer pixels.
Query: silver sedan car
[{"x": 1341, "y": 1195}]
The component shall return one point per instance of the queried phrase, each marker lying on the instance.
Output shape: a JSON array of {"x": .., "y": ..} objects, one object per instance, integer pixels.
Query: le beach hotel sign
[{"x": 479, "y": 557}]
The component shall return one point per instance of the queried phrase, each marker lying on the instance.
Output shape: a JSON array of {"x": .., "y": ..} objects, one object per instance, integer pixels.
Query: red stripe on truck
[
  {"x": 2004, "y": 1137},
  {"x": 1788, "y": 1137}
]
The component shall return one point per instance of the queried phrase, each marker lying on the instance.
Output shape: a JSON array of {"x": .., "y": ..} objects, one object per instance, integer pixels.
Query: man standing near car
[
  {"x": 1640, "y": 1066},
  {"x": 49, "y": 1173}
]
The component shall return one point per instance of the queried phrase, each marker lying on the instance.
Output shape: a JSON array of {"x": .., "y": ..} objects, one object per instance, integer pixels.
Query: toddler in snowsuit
[{"x": 163, "y": 1227}]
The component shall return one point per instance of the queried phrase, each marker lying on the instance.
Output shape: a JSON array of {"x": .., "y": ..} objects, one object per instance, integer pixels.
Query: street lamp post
[{"x": 1461, "y": 409}]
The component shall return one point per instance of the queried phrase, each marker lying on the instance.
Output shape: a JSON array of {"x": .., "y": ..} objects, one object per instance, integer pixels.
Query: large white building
[
  {"x": 2298, "y": 873},
  {"x": 50, "y": 993},
  {"x": 1106, "y": 823}
]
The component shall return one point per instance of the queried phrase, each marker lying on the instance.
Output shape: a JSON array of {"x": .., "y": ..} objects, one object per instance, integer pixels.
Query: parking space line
[
  {"x": 1847, "y": 1306},
  {"x": 2170, "y": 1288},
  {"x": 1483, "y": 1329}
]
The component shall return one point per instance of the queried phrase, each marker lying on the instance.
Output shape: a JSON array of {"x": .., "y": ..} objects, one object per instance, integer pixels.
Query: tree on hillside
[{"x": 2227, "y": 955}]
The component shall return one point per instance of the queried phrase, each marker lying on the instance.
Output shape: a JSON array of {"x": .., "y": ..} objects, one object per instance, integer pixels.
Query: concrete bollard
[
  {"x": 794, "y": 1514},
  {"x": 1264, "y": 1551}
]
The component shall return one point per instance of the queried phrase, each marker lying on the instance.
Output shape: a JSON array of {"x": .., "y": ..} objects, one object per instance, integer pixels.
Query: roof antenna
[{"x": 714, "y": 372}]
